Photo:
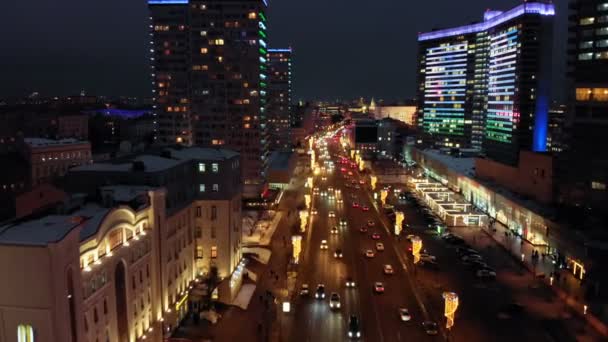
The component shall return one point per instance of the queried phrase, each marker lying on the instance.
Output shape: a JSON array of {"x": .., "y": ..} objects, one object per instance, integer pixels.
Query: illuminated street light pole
[
  {"x": 303, "y": 220},
  {"x": 398, "y": 222},
  {"x": 296, "y": 242},
  {"x": 416, "y": 248},
  {"x": 451, "y": 305},
  {"x": 307, "y": 200},
  {"x": 383, "y": 195},
  {"x": 373, "y": 181}
]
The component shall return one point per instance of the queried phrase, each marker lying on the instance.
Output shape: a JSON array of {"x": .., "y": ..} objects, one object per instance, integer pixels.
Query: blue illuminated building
[{"x": 486, "y": 85}]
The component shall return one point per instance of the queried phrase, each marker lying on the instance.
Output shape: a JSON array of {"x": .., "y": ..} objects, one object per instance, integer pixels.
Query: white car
[
  {"x": 388, "y": 269},
  {"x": 324, "y": 244},
  {"x": 350, "y": 282},
  {"x": 404, "y": 314},
  {"x": 331, "y": 214},
  {"x": 486, "y": 274},
  {"x": 369, "y": 253},
  {"x": 427, "y": 257},
  {"x": 334, "y": 301},
  {"x": 379, "y": 246},
  {"x": 334, "y": 230}
]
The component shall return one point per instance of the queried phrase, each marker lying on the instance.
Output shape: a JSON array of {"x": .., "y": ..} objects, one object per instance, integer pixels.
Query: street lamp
[
  {"x": 416, "y": 248},
  {"x": 296, "y": 242},
  {"x": 398, "y": 222},
  {"x": 451, "y": 305},
  {"x": 383, "y": 195},
  {"x": 303, "y": 220}
]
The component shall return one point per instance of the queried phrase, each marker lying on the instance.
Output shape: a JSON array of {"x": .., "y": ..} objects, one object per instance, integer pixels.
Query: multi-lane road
[
  {"x": 412, "y": 287},
  {"x": 378, "y": 313}
]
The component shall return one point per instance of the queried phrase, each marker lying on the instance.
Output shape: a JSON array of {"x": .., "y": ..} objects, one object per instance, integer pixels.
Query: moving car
[
  {"x": 376, "y": 236},
  {"x": 369, "y": 253},
  {"x": 331, "y": 214},
  {"x": 430, "y": 328},
  {"x": 471, "y": 257},
  {"x": 378, "y": 287},
  {"x": 304, "y": 290},
  {"x": 343, "y": 222},
  {"x": 427, "y": 257},
  {"x": 350, "y": 282},
  {"x": 334, "y": 301},
  {"x": 334, "y": 230},
  {"x": 371, "y": 223},
  {"x": 363, "y": 229},
  {"x": 388, "y": 269},
  {"x": 404, "y": 314},
  {"x": 355, "y": 205},
  {"x": 320, "y": 293},
  {"x": 487, "y": 274},
  {"x": 315, "y": 191},
  {"x": 314, "y": 212},
  {"x": 365, "y": 208},
  {"x": 338, "y": 254},
  {"x": 379, "y": 246},
  {"x": 324, "y": 244},
  {"x": 354, "y": 331}
]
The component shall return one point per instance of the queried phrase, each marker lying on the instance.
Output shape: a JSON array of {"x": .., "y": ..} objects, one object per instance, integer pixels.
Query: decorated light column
[
  {"x": 398, "y": 222},
  {"x": 383, "y": 195},
  {"x": 451, "y": 305},
  {"x": 296, "y": 242},
  {"x": 303, "y": 220},
  {"x": 307, "y": 200},
  {"x": 416, "y": 248},
  {"x": 373, "y": 181}
]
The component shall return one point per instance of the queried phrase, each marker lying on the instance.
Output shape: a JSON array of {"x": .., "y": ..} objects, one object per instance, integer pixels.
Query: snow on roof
[
  {"x": 125, "y": 193},
  {"x": 51, "y": 228},
  {"x": 202, "y": 153},
  {"x": 464, "y": 166},
  {"x": 280, "y": 160},
  {"x": 151, "y": 164},
  {"x": 42, "y": 142}
]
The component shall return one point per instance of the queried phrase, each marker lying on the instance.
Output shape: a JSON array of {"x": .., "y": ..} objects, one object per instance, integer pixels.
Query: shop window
[{"x": 213, "y": 252}]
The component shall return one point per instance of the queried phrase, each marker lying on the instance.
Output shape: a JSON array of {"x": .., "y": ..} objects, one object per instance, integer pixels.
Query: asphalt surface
[
  {"x": 482, "y": 303},
  {"x": 313, "y": 320}
]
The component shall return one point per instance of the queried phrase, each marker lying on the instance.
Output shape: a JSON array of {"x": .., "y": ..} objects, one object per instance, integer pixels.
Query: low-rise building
[
  {"x": 280, "y": 169},
  {"x": 204, "y": 188},
  {"x": 49, "y": 159}
]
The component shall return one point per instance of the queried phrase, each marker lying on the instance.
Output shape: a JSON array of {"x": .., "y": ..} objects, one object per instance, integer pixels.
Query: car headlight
[
  {"x": 358, "y": 334},
  {"x": 338, "y": 305},
  {"x": 350, "y": 334}
]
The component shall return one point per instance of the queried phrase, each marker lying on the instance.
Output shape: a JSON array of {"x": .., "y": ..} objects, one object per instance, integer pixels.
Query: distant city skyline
[{"x": 363, "y": 50}]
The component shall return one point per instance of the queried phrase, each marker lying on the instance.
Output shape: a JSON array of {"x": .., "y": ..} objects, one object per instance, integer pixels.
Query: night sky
[{"x": 342, "y": 48}]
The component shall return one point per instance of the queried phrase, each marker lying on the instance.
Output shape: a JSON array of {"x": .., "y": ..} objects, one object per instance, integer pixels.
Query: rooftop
[
  {"x": 151, "y": 163},
  {"x": 491, "y": 19},
  {"x": 202, "y": 153},
  {"x": 52, "y": 228},
  {"x": 464, "y": 166},
  {"x": 280, "y": 160},
  {"x": 42, "y": 142}
]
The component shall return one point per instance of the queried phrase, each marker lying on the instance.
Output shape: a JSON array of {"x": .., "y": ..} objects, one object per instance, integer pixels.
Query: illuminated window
[
  {"x": 602, "y": 43},
  {"x": 201, "y": 187},
  {"x": 598, "y": 186},
  {"x": 585, "y": 56},
  {"x": 601, "y": 55},
  {"x": 586, "y": 21},
  {"x": 602, "y": 31},
  {"x": 586, "y": 45},
  {"x": 201, "y": 167},
  {"x": 219, "y": 42},
  {"x": 25, "y": 333},
  {"x": 215, "y": 168},
  {"x": 213, "y": 252},
  {"x": 203, "y": 33},
  {"x": 602, "y": 6},
  {"x": 216, "y": 187},
  {"x": 600, "y": 94},
  {"x": 199, "y": 252},
  {"x": 252, "y": 15},
  {"x": 583, "y": 94},
  {"x": 204, "y": 51}
]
